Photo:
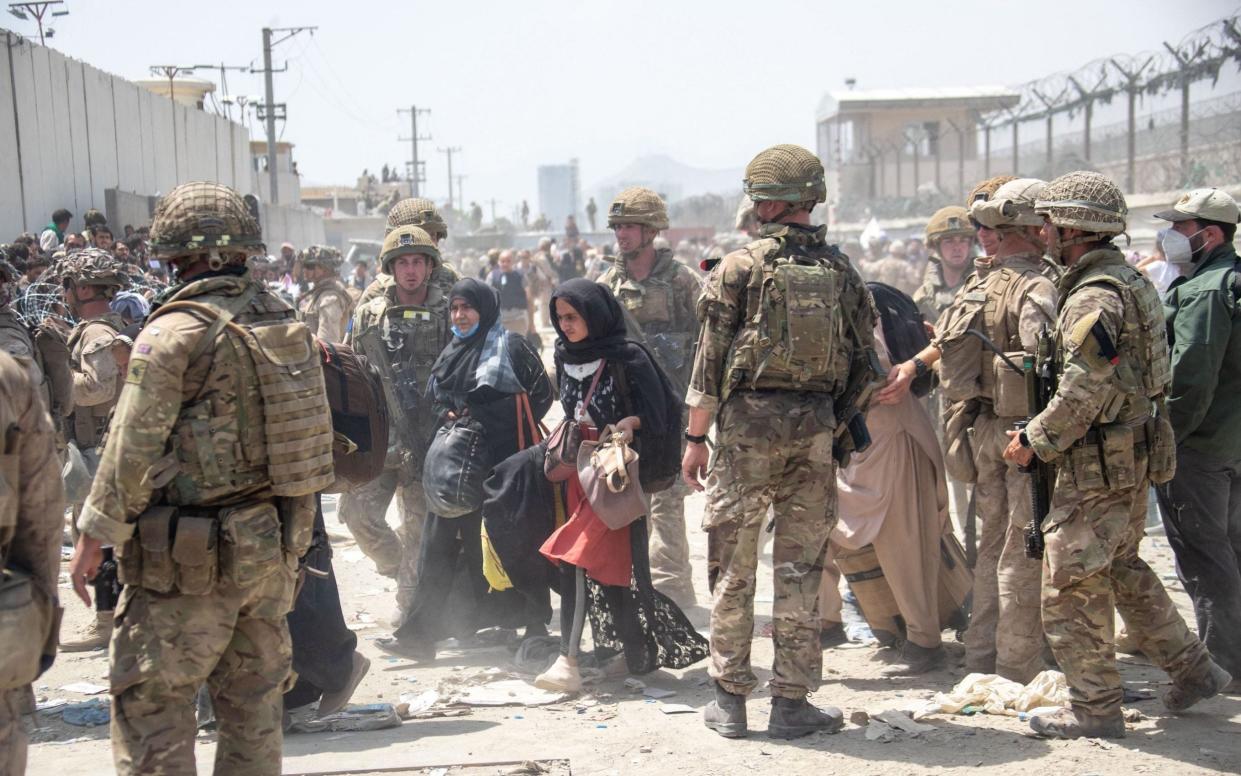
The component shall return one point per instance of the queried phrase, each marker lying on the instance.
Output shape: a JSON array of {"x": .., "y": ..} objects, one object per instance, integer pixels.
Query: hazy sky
[{"x": 517, "y": 84}]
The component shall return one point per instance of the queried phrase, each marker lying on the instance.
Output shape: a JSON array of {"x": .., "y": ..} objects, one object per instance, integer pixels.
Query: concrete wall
[{"x": 69, "y": 132}]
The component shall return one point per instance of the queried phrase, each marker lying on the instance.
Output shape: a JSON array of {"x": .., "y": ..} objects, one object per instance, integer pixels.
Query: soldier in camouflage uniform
[
  {"x": 894, "y": 269},
  {"x": 786, "y": 325},
  {"x": 1106, "y": 430},
  {"x": 660, "y": 294},
  {"x": 15, "y": 337},
  {"x": 950, "y": 237},
  {"x": 1009, "y": 305},
  {"x": 97, "y": 358},
  {"x": 31, "y": 522},
  {"x": 220, "y": 439},
  {"x": 401, "y": 332},
  {"x": 327, "y": 307},
  {"x": 420, "y": 212}
]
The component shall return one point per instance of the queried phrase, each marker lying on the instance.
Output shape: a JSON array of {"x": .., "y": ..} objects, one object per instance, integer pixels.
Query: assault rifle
[
  {"x": 1040, "y": 374},
  {"x": 400, "y": 384},
  {"x": 850, "y": 408}
]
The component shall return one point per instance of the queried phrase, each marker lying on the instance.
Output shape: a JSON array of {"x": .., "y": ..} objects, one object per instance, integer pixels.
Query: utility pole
[
  {"x": 38, "y": 10},
  {"x": 449, "y": 152},
  {"x": 461, "y": 191},
  {"x": 171, "y": 72},
  {"x": 269, "y": 107},
  {"x": 416, "y": 175},
  {"x": 223, "y": 68}
]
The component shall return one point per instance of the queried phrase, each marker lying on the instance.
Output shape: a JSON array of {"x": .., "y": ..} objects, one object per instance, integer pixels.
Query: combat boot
[
  {"x": 1180, "y": 697},
  {"x": 726, "y": 714},
  {"x": 832, "y": 635},
  {"x": 916, "y": 660},
  {"x": 94, "y": 636},
  {"x": 1070, "y": 724},
  {"x": 796, "y": 717}
]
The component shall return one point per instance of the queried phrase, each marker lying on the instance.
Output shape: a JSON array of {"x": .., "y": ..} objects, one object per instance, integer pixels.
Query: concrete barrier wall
[{"x": 69, "y": 132}]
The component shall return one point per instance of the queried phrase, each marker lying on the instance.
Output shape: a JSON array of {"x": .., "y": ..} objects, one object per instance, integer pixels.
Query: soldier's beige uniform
[
  {"x": 326, "y": 310},
  {"x": 97, "y": 378},
  {"x": 934, "y": 295},
  {"x": 663, "y": 305},
  {"x": 894, "y": 271},
  {"x": 205, "y": 428},
  {"x": 31, "y": 518},
  {"x": 1013, "y": 302},
  {"x": 419, "y": 334},
  {"x": 774, "y": 448}
]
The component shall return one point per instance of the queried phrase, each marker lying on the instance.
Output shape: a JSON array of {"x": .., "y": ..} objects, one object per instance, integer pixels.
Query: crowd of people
[{"x": 200, "y": 397}]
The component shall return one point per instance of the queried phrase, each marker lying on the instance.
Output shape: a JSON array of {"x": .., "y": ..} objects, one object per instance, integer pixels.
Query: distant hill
[{"x": 667, "y": 176}]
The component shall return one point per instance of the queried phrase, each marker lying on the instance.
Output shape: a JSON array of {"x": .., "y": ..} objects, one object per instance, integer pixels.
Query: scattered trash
[
  {"x": 506, "y": 692},
  {"x": 50, "y": 705},
  {"x": 859, "y": 718},
  {"x": 438, "y": 772},
  {"x": 676, "y": 708},
  {"x": 634, "y": 685},
  {"x": 527, "y": 768},
  {"x": 536, "y": 654},
  {"x": 374, "y": 716},
  {"x": 902, "y": 721},
  {"x": 1132, "y": 715},
  {"x": 658, "y": 693},
  {"x": 416, "y": 704},
  {"x": 992, "y": 694},
  {"x": 91, "y": 713},
  {"x": 84, "y": 688},
  {"x": 1133, "y": 695}
]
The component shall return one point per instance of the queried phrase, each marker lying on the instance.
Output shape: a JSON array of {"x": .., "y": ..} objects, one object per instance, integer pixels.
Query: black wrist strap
[{"x": 695, "y": 438}]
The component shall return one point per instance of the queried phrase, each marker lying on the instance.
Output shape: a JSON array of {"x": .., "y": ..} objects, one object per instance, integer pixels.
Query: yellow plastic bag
[{"x": 493, "y": 569}]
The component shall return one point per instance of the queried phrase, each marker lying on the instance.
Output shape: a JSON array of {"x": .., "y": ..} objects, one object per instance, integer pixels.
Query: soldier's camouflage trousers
[
  {"x": 1090, "y": 567},
  {"x": 165, "y": 646},
  {"x": 13, "y": 704},
  {"x": 1005, "y": 633},
  {"x": 772, "y": 450},
  {"x": 670, "y": 568},
  {"x": 364, "y": 511}
]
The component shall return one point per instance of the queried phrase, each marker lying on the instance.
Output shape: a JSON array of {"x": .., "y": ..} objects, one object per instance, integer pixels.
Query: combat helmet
[
  {"x": 417, "y": 211},
  {"x": 785, "y": 173},
  {"x": 951, "y": 221},
  {"x": 985, "y": 189},
  {"x": 1011, "y": 205},
  {"x": 638, "y": 205},
  {"x": 321, "y": 256},
  {"x": 1084, "y": 200},
  {"x": 204, "y": 217},
  {"x": 404, "y": 240},
  {"x": 95, "y": 267}
]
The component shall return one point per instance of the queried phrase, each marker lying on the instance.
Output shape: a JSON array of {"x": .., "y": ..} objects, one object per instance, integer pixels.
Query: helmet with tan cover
[
  {"x": 1011, "y": 205},
  {"x": 95, "y": 267},
  {"x": 406, "y": 240},
  {"x": 1084, "y": 200},
  {"x": 785, "y": 173},
  {"x": 951, "y": 221},
  {"x": 417, "y": 211},
  {"x": 984, "y": 189},
  {"x": 204, "y": 217},
  {"x": 638, "y": 205}
]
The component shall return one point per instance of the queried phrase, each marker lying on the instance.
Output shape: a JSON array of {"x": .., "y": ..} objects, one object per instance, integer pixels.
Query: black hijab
[
  {"x": 454, "y": 370},
  {"x": 605, "y": 323},
  {"x": 653, "y": 398}
]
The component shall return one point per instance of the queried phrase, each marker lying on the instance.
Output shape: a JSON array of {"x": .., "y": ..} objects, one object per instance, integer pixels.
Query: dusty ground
[{"x": 623, "y": 732}]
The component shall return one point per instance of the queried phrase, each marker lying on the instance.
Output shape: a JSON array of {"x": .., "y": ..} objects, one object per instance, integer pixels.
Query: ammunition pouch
[
  {"x": 188, "y": 549},
  {"x": 1106, "y": 457},
  {"x": 1160, "y": 446},
  {"x": 1009, "y": 398}
]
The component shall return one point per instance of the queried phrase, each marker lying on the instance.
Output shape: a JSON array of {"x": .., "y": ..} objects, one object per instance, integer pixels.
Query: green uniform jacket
[{"x": 1204, "y": 330}]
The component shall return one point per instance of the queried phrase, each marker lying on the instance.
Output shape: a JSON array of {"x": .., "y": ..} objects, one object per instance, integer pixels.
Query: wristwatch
[
  {"x": 695, "y": 438},
  {"x": 920, "y": 368}
]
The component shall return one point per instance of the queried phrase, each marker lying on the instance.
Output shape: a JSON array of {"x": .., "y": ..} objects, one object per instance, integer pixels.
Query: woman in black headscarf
[
  {"x": 479, "y": 378},
  {"x": 636, "y": 629}
]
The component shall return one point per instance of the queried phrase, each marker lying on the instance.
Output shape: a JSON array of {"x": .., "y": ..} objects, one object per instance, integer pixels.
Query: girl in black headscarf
[
  {"x": 635, "y": 628},
  {"x": 478, "y": 378}
]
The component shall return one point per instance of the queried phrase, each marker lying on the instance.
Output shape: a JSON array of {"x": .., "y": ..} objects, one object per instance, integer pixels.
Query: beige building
[{"x": 889, "y": 143}]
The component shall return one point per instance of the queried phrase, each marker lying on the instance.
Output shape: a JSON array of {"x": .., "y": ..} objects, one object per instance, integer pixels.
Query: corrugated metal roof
[{"x": 980, "y": 97}]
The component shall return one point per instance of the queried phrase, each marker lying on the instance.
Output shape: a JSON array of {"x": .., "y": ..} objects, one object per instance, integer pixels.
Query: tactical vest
[
  {"x": 934, "y": 296},
  {"x": 792, "y": 336},
  {"x": 1144, "y": 366},
  {"x": 309, "y": 312},
  {"x": 261, "y": 416},
  {"x": 669, "y": 328},
  {"x": 411, "y": 338},
  {"x": 86, "y": 425}
]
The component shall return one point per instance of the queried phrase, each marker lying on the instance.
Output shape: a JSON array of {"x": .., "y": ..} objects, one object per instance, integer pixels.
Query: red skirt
[{"x": 586, "y": 541}]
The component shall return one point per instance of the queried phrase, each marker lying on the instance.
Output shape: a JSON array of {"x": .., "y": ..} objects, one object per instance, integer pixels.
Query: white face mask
[{"x": 1177, "y": 248}]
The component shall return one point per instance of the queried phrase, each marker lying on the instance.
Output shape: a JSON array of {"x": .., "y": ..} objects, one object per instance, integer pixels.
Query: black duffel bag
[{"x": 455, "y": 469}]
